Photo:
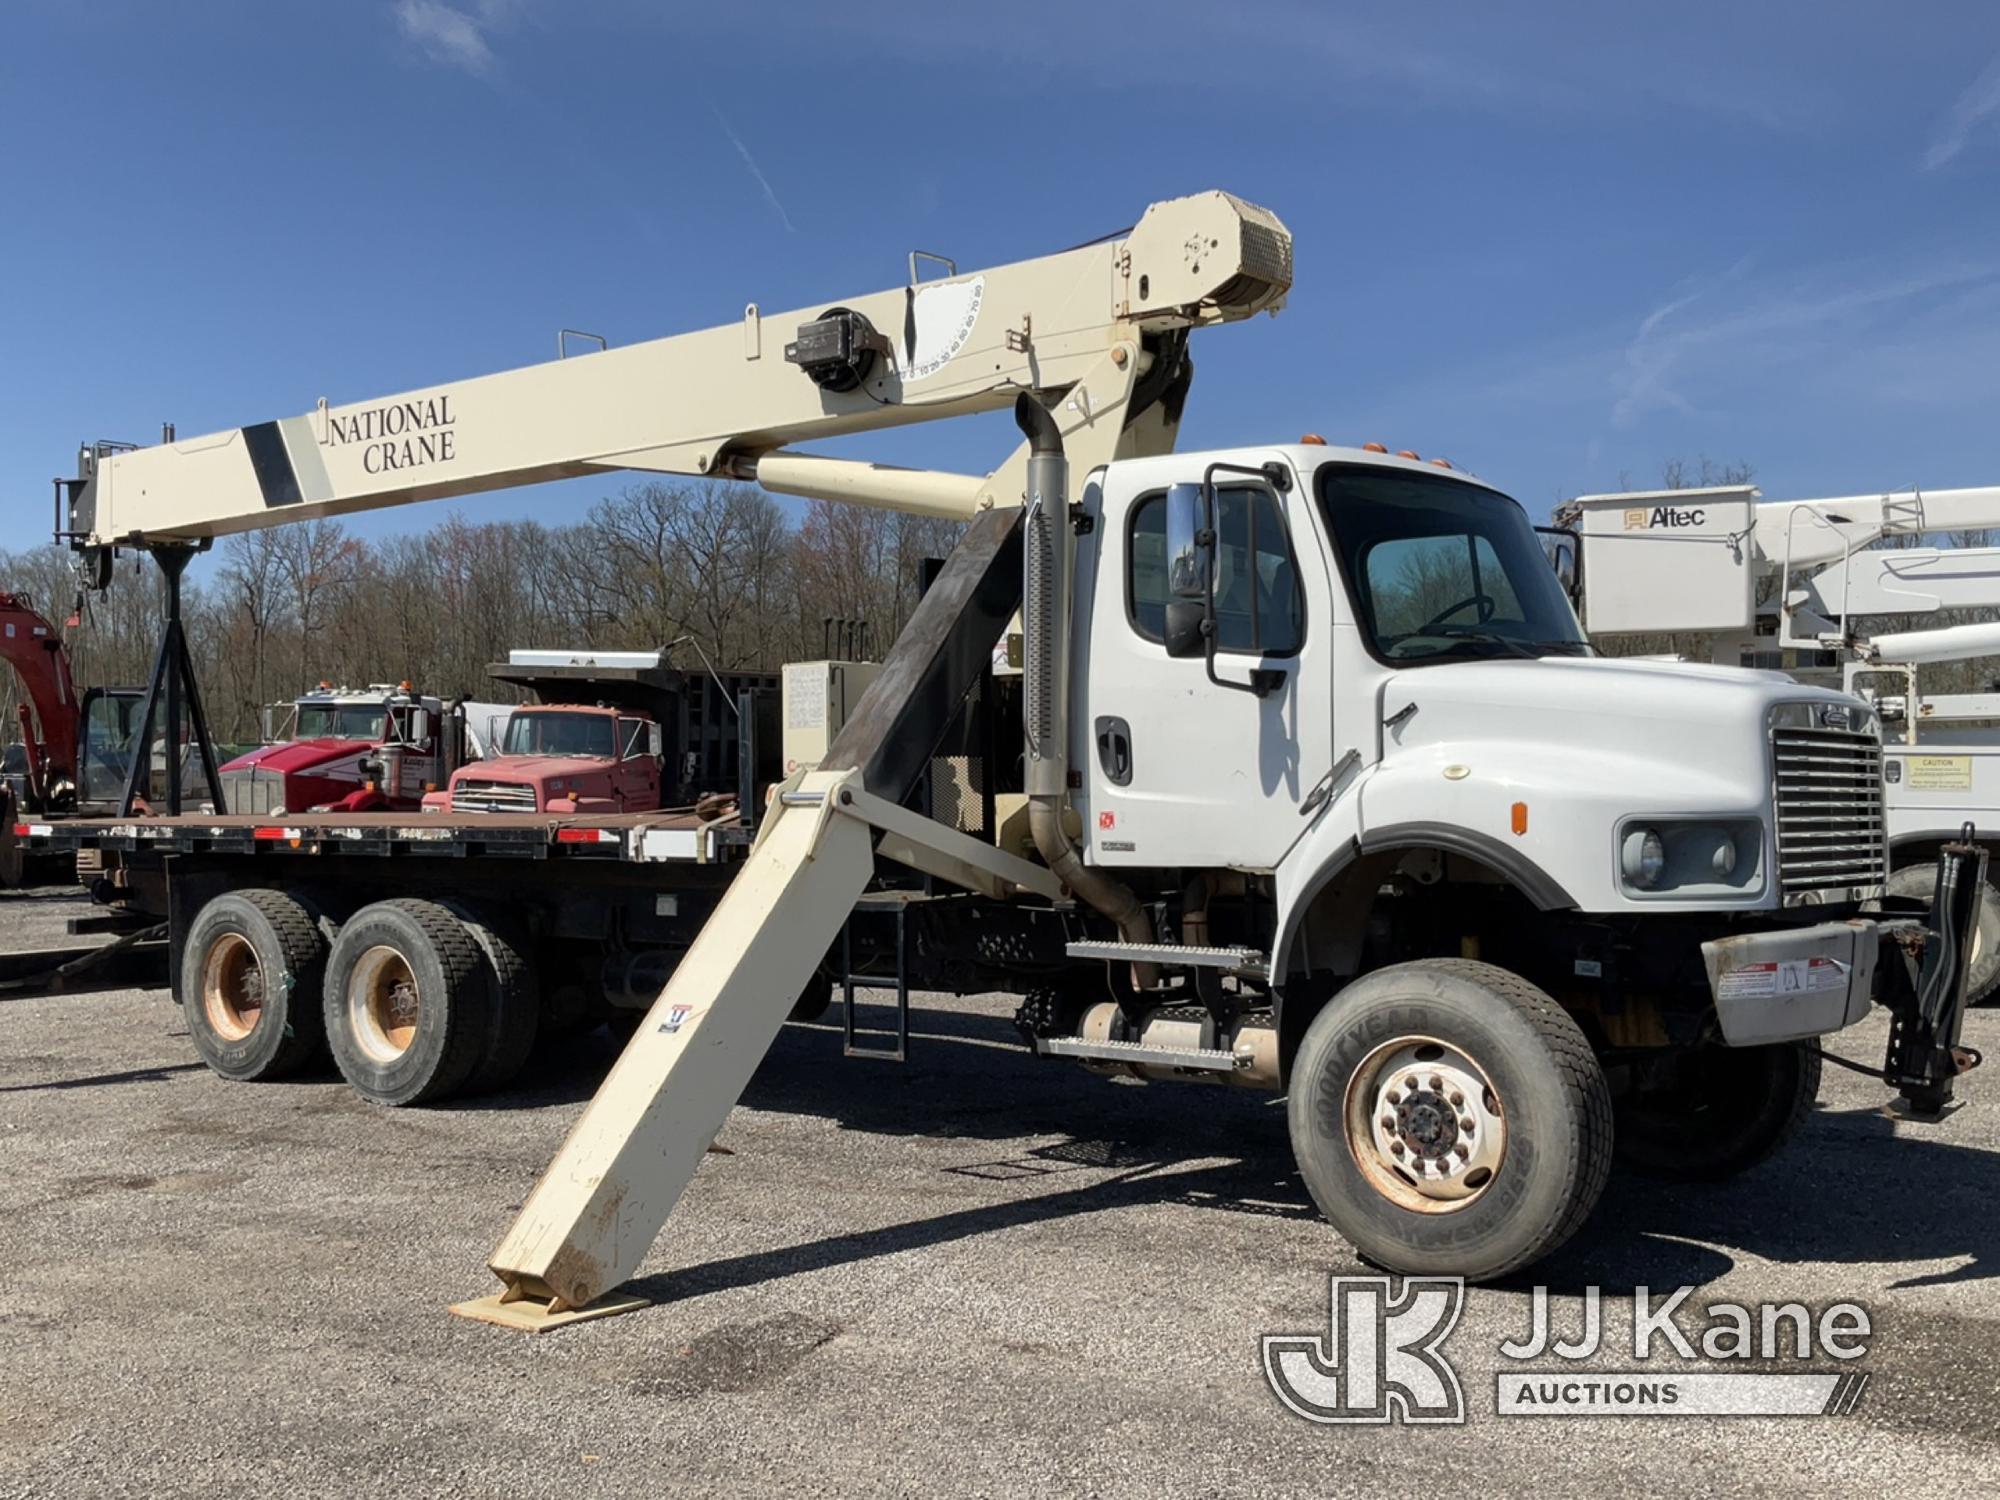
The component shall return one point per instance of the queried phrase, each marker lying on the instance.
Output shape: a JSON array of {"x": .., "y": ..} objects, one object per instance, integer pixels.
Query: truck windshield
[
  {"x": 1443, "y": 570},
  {"x": 343, "y": 721},
  {"x": 559, "y": 734}
]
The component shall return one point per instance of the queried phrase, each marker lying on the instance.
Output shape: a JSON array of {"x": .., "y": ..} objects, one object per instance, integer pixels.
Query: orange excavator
[{"x": 39, "y": 773}]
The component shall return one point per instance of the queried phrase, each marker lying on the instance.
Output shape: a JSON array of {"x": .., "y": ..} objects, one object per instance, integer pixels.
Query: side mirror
[
  {"x": 267, "y": 721},
  {"x": 656, "y": 741},
  {"x": 1564, "y": 550},
  {"x": 1185, "y": 633},
  {"x": 1190, "y": 542},
  {"x": 420, "y": 726}
]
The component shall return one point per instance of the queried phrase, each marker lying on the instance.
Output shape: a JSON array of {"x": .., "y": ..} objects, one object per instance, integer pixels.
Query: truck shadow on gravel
[{"x": 1848, "y": 1191}]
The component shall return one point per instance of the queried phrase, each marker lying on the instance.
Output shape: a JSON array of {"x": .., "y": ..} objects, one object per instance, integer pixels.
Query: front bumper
[
  {"x": 1788, "y": 985},
  {"x": 1795, "y": 984}
]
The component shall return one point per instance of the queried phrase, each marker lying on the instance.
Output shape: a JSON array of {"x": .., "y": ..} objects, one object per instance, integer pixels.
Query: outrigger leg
[{"x": 600, "y": 1205}]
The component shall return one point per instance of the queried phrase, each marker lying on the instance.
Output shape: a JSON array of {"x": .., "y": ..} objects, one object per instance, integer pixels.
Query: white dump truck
[{"x": 1317, "y": 784}]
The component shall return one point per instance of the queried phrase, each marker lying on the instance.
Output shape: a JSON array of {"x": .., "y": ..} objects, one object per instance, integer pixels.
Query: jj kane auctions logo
[{"x": 1382, "y": 1358}]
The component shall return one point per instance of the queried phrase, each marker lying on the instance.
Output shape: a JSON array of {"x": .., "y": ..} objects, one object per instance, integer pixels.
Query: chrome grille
[
  {"x": 1832, "y": 834},
  {"x": 492, "y": 796},
  {"x": 252, "y": 792}
]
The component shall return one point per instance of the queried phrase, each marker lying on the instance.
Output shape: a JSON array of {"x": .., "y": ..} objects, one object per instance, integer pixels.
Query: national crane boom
[{"x": 716, "y": 401}]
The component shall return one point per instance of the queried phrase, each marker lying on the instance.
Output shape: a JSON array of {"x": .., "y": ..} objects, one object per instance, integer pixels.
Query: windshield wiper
[{"x": 1485, "y": 637}]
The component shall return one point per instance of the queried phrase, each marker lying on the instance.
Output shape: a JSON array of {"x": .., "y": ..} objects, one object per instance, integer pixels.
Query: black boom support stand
[{"x": 173, "y": 675}]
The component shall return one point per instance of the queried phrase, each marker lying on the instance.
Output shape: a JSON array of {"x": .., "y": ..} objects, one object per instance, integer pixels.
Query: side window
[
  {"x": 632, "y": 738},
  {"x": 1258, "y": 604}
]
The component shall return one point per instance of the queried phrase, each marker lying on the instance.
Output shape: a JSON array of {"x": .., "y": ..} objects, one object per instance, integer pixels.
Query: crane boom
[{"x": 714, "y": 401}]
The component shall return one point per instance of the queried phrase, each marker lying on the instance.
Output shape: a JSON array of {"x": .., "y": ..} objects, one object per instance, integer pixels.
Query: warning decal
[
  {"x": 1784, "y": 976},
  {"x": 1938, "y": 773}
]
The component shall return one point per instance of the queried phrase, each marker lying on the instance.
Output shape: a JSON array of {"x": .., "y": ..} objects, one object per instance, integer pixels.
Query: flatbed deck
[{"x": 668, "y": 836}]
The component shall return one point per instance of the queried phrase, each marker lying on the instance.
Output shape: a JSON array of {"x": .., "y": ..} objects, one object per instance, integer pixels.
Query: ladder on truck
[{"x": 599, "y": 1206}]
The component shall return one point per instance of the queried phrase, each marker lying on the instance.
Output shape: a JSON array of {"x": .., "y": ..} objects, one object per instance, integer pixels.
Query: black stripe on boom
[{"x": 272, "y": 463}]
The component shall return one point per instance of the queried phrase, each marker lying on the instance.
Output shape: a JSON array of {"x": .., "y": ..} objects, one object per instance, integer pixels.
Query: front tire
[
  {"x": 1720, "y": 1111},
  {"x": 1449, "y": 1118},
  {"x": 408, "y": 1003},
  {"x": 250, "y": 979}
]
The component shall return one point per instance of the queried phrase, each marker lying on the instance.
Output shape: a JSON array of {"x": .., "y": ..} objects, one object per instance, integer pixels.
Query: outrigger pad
[
  {"x": 943, "y": 651},
  {"x": 525, "y": 1315}
]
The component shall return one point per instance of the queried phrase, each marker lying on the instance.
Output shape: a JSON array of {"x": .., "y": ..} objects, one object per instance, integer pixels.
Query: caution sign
[
  {"x": 1938, "y": 773},
  {"x": 1783, "y": 976}
]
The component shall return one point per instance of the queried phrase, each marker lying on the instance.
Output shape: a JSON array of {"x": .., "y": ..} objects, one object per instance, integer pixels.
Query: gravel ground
[{"x": 973, "y": 1274}]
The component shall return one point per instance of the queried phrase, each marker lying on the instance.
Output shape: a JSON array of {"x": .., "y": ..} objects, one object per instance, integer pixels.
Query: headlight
[
  {"x": 1644, "y": 856},
  {"x": 1720, "y": 857}
]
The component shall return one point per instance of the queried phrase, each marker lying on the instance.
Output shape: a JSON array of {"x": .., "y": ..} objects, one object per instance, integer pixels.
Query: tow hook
[{"x": 1924, "y": 1057}]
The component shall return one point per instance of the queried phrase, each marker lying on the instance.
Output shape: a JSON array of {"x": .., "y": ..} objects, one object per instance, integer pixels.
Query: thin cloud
[
  {"x": 1764, "y": 329},
  {"x": 453, "y": 37},
  {"x": 756, "y": 171},
  {"x": 1970, "y": 110}
]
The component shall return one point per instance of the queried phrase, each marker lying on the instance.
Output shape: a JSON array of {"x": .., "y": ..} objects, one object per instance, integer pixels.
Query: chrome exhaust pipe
[{"x": 1045, "y": 615}]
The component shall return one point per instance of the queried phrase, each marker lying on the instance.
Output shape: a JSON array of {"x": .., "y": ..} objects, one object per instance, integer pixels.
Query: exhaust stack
[{"x": 1045, "y": 613}]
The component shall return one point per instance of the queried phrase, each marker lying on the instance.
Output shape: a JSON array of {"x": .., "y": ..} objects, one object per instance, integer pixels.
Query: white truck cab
[{"x": 1395, "y": 664}]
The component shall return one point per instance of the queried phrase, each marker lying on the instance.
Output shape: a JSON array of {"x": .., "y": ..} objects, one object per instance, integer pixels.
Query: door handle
[
  {"x": 1322, "y": 792},
  {"x": 1114, "y": 750}
]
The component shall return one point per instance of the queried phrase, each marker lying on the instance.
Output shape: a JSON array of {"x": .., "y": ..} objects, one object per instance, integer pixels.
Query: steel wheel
[
  {"x": 1424, "y": 1124},
  {"x": 383, "y": 1003},
  {"x": 232, "y": 987}
]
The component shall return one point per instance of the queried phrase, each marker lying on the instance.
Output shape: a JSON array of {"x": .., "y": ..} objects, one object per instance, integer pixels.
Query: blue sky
[{"x": 1558, "y": 243}]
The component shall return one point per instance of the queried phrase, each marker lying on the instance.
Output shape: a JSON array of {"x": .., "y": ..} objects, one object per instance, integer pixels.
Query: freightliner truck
[{"x": 1323, "y": 789}]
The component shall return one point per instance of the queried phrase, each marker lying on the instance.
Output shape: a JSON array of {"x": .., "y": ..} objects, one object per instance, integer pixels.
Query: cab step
[
  {"x": 1196, "y": 1059},
  {"x": 1245, "y": 961}
]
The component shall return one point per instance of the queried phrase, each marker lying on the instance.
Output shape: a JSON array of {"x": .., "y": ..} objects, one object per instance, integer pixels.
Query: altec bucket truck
[
  {"x": 1761, "y": 578},
  {"x": 1325, "y": 791}
]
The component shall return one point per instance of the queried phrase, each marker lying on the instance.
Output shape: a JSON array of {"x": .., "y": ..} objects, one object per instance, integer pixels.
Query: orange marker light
[
  {"x": 1520, "y": 818},
  {"x": 1313, "y": 439},
  {"x": 1442, "y": 463},
  {"x": 1405, "y": 453},
  {"x": 1373, "y": 448}
]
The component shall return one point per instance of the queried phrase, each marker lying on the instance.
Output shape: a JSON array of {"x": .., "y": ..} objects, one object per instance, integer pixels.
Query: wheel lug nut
[
  {"x": 1392, "y": 1097},
  {"x": 1397, "y": 1147},
  {"x": 1388, "y": 1122},
  {"x": 1457, "y": 1099},
  {"x": 1466, "y": 1126},
  {"x": 1410, "y": 1082},
  {"x": 1436, "y": 1082},
  {"x": 1464, "y": 1151}
]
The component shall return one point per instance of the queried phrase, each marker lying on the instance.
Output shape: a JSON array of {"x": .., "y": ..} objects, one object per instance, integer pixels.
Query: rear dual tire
[
  {"x": 408, "y": 1002},
  {"x": 251, "y": 974}
]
